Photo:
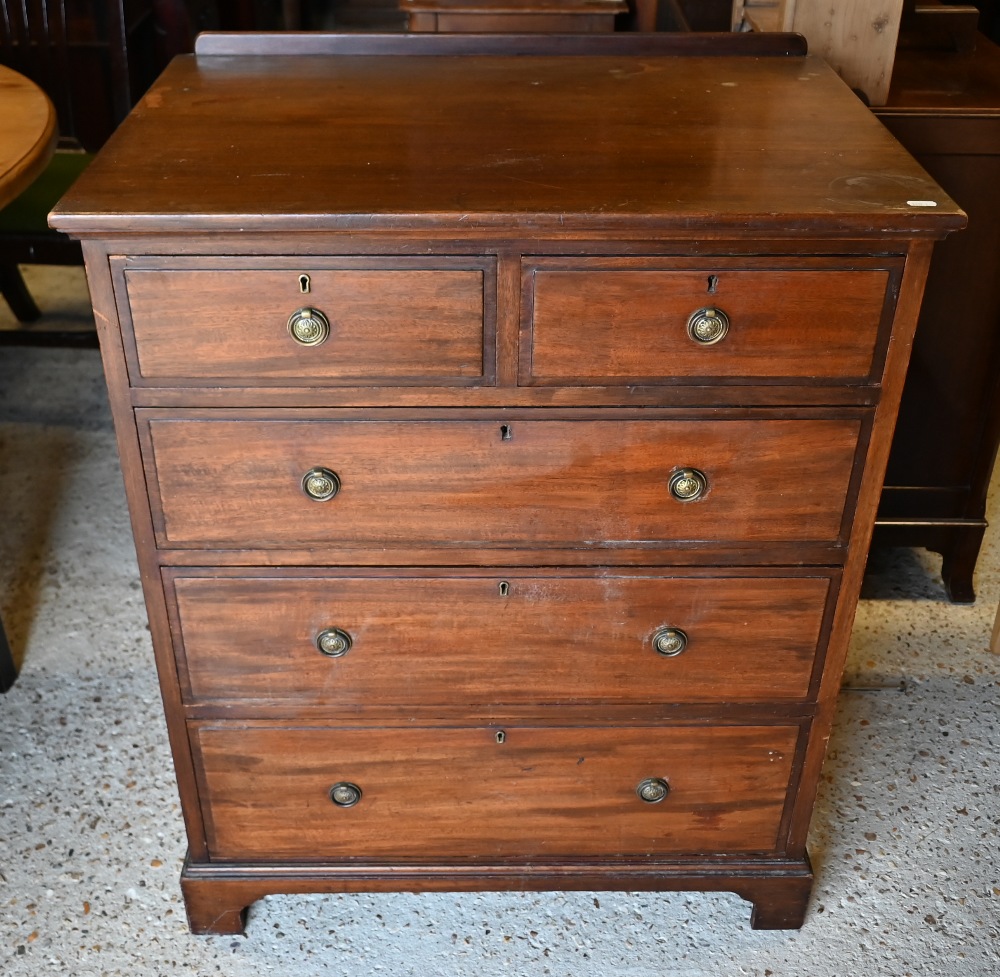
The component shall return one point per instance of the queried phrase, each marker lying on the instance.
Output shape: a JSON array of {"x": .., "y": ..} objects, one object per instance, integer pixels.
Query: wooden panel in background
[{"x": 857, "y": 37}]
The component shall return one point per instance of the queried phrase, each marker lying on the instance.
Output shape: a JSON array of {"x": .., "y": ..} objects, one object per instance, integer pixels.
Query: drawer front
[
  {"x": 590, "y": 483},
  {"x": 393, "y": 325},
  {"x": 498, "y": 639},
  {"x": 454, "y": 793},
  {"x": 593, "y": 325}
]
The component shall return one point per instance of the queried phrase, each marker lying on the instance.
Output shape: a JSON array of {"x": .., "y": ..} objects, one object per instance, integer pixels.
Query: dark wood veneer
[
  {"x": 591, "y": 321},
  {"x": 463, "y": 468},
  {"x": 507, "y": 157},
  {"x": 453, "y": 794},
  {"x": 389, "y": 326},
  {"x": 505, "y": 481},
  {"x": 538, "y": 638}
]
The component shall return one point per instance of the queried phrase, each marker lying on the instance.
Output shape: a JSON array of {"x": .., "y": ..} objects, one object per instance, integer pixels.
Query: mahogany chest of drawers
[{"x": 503, "y": 422}]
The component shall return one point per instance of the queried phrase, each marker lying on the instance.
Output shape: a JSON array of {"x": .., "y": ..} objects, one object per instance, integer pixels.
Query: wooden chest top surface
[{"x": 517, "y": 144}]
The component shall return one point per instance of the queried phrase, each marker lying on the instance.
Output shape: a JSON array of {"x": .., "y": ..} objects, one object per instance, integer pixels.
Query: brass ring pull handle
[
  {"x": 652, "y": 790},
  {"x": 320, "y": 484},
  {"x": 688, "y": 484},
  {"x": 708, "y": 326},
  {"x": 669, "y": 642},
  {"x": 345, "y": 794},
  {"x": 308, "y": 327},
  {"x": 333, "y": 642}
]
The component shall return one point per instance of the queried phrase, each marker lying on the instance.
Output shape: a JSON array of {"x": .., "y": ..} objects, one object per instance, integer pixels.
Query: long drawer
[
  {"x": 345, "y": 641},
  {"x": 313, "y": 794},
  {"x": 253, "y": 482},
  {"x": 411, "y": 322},
  {"x": 594, "y": 321}
]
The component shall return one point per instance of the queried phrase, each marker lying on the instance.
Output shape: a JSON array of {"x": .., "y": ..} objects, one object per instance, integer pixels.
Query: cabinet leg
[
  {"x": 214, "y": 907},
  {"x": 781, "y": 905},
  {"x": 959, "y": 564}
]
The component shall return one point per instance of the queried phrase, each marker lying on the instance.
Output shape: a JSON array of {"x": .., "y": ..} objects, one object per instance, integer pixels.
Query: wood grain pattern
[
  {"x": 216, "y": 895},
  {"x": 386, "y": 325},
  {"x": 856, "y": 37},
  {"x": 526, "y": 143},
  {"x": 591, "y": 324},
  {"x": 581, "y": 483},
  {"x": 519, "y": 638},
  {"x": 28, "y": 135},
  {"x": 116, "y": 375},
  {"x": 762, "y": 15},
  {"x": 489, "y": 156},
  {"x": 458, "y": 793},
  {"x": 907, "y": 311}
]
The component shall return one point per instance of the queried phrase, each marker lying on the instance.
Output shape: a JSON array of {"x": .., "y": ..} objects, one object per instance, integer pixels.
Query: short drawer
[
  {"x": 457, "y": 793},
  {"x": 243, "y": 482},
  {"x": 412, "y": 323},
  {"x": 593, "y": 321},
  {"x": 505, "y": 638}
]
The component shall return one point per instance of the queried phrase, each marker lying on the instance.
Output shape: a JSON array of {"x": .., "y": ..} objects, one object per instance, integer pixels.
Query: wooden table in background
[
  {"x": 27, "y": 136},
  {"x": 27, "y": 140}
]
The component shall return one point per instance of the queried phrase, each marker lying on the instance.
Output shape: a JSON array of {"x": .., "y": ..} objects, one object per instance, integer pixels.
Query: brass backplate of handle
[
  {"x": 688, "y": 484},
  {"x": 309, "y": 327},
  {"x": 669, "y": 642},
  {"x": 320, "y": 484},
  {"x": 652, "y": 790},
  {"x": 708, "y": 326}
]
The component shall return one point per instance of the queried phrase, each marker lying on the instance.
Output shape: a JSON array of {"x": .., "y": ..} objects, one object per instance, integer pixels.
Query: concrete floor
[{"x": 905, "y": 836}]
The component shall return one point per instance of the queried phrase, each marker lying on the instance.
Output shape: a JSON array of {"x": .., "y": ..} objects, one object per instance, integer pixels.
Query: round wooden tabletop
[{"x": 27, "y": 134}]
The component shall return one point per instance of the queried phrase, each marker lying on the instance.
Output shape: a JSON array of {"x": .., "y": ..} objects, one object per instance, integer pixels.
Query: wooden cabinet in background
[
  {"x": 944, "y": 107},
  {"x": 509, "y": 16}
]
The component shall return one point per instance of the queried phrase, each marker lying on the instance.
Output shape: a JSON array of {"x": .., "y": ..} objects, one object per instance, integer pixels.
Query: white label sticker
[{"x": 922, "y": 203}]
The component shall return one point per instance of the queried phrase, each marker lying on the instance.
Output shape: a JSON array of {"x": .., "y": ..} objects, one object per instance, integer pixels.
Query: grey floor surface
[{"x": 905, "y": 836}]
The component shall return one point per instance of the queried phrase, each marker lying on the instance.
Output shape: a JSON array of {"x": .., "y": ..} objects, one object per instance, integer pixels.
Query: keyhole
[
  {"x": 713, "y": 284},
  {"x": 305, "y": 283},
  {"x": 506, "y": 432},
  {"x": 504, "y": 588},
  {"x": 501, "y": 736}
]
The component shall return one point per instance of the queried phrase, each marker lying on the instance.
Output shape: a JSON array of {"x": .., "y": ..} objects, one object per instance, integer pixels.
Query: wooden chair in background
[{"x": 79, "y": 55}]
